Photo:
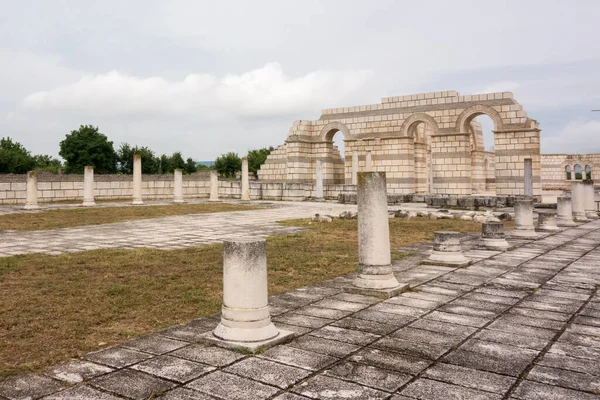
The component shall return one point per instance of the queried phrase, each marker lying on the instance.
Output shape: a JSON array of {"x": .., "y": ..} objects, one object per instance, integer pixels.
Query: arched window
[
  {"x": 588, "y": 172},
  {"x": 568, "y": 171},
  {"x": 578, "y": 172}
]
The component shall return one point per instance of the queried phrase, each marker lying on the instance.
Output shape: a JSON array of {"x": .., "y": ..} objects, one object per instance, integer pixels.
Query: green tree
[
  {"x": 190, "y": 166},
  {"x": 165, "y": 164},
  {"x": 87, "y": 146},
  {"x": 228, "y": 164},
  {"x": 150, "y": 163},
  {"x": 177, "y": 161},
  {"x": 256, "y": 158},
  {"x": 47, "y": 163},
  {"x": 14, "y": 157}
]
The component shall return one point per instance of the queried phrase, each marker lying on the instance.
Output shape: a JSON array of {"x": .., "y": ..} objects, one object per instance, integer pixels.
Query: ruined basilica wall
[{"x": 554, "y": 175}]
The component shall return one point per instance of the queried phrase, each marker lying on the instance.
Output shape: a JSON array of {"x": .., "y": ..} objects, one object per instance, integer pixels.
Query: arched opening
[
  {"x": 578, "y": 172},
  {"x": 568, "y": 172},
  {"x": 588, "y": 172},
  {"x": 483, "y": 177},
  {"x": 421, "y": 133},
  {"x": 333, "y": 156}
]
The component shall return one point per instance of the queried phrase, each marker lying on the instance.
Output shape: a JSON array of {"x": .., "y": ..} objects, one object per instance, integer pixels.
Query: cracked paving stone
[
  {"x": 325, "y": 387},
  {"x": 30, "y": 386},
  {"x": 566, "y": 379},
  {"x": 570, "y": 363},
  {"x": 356, "y": 298},
  {"x": 388, "y": 360},
  {"x": 345, "y": 335},
  {"x": 427, "y": 389},
  {"x": 76, "y": 371},
  {"x": 468, "y": 311},
  {"x": 582, "y": 320},
  {"x": 480, "y": 305},
  {"x": 429, "y": 337},
  {"x": 457, "y": 319},
  {"x": 581, "y": 340},
  {"x": 173, "y": 368},
  {"x": 306, "y": 321},
  {"x": 530, "y": 313},
  {"x": 489, "y": 298},
  {"x": 528, "y": 342},
  {"x": 298, "y": 330},
  {"x": 289, "y": 396},
  {"x": 396, "y": 320},
  {"x": 231, "y": 387},
  {"x": 411, "y": 302},
  {"x": 322, "y": 312},
  {"x": 364, "y": 325},
  {"x": 117, "y": 357},
  {"x": 132, "y": 384},
  {"x": 324, "y": 346},
  {"x": 511, "y": 327},
  {"x": 187, "y": 333},
  {"x": 438, "y": 326},
  {"x": 214, "y": 356},
  {"x": 182, "y": 393},
  {"x": 528, "y": 390},
  {"x": 298, "y": 357},
  {"x": 268, "y": 372},
  {"x": 81, "y": 393},
  {"x": 340, "y": 305},
  {"x": 370, "y": 376},
  {"x": 400, "y": 309},
  {"x": 417, "y": 349},
  {"x": 154, "y": 344},
  {"x": 472, "y": 378}
]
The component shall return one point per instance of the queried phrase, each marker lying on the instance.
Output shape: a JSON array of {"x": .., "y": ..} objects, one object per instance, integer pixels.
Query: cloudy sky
[{"x": 206, "y": 77}]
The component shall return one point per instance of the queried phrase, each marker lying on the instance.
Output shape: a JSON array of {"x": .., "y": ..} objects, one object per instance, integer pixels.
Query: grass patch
[
  {"x": 57, "y": 307},
  {"x": 71, "y": 217}
]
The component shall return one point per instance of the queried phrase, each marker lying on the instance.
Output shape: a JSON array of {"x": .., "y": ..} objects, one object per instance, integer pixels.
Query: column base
[
  {"x": 88, "y": 204},
  {"x": 447, "y": 259},
  {"x": 549, "y": 228},
  {"x": 214, "y": 200},
  {"x": 137, "y": 202},
  {"x": 524, "y": 233},
  {"x": 252, "y": 347},
  {"x": 566, "y": 223},
  {"x": 494, "y": 244},
  {"x": 591, "y": 215},
  {"x": 380, "y": 293},
  {"x": 30, "y": 207}
]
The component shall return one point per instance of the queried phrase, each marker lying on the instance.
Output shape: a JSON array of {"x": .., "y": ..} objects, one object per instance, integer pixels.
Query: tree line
[{"x": 87, "y": 146}]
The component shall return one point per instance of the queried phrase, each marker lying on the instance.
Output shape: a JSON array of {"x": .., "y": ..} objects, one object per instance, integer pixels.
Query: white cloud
[
  {"x": 507, "y": 86},
  {"x": 582, "y": 136}
]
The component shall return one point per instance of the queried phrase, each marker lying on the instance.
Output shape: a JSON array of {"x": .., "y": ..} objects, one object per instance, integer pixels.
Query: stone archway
[{"x": 421, "y": 128}]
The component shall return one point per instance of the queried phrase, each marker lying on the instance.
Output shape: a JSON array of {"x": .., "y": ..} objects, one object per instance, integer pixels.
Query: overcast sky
[{"x": 206, "y": 77}]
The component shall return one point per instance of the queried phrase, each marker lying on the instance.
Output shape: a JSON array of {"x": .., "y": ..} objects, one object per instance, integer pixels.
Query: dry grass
[
  {"x": 57, "y": 307},
  {"x": 70, "y": 217}
]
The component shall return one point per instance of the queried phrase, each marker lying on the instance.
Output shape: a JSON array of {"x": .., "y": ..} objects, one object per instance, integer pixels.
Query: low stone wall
[{"x": 460, "y": 202}]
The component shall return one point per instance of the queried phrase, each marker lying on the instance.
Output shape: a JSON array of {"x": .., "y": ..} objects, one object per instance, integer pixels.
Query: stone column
[
  {"x": 368, "y": 162},
  {"x": 589, "y": 203},
  {"x": 493, "y": 237},
  {"x": 245, "y": 317},
  {"x": 88, "y": 186},
  {"x": 319, "y": 181},
  {"x": 354, "y": 167},
  {"x": 214, "y": 186},
  {"x": 447, "y": 251},
  {"x": 137, "y": 179},
  {"x": 578, "y": 201},
  {"x": 547, "y": 222},
  {"x": 375, "y": 275},
  {"x": 528, "y": 177},
  {"x": 245, "y": 180},
  {"x": 564, "y": 211},
  {"x": 178, "y": 186},
  {"x": 31, "y": 202},
  {"x": 524, "y": 219}
]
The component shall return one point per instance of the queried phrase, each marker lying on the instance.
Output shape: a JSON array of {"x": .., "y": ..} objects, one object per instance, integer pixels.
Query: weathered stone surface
[
  {"x": 528, "y": 390},
  {"x": 434, "y": 390},
  {"x": 83, "y": 393},
  {"x": 184, "y": 394},
  {"x": 214, "y": 356},
  {"x": 320, "y": 387},
  {"x": 389, "y": 360},
  {"x": 132, "y": 384},
  {"x": 154, "y": 344},
  {"x": 31, "y": 386},
  {"x": 117, "y": 357},
  {"x": 227, "y": 386},
  {"x": 324, "y": 346},
  {"x": 268, "y": 372},
  {"x": 173, "y": 368},
  {"x": 370, "y": 376},
  {"x": 298, "y": 358},
  {"x": 469, "y": 377},
  {"x": 76, "y": 371}
]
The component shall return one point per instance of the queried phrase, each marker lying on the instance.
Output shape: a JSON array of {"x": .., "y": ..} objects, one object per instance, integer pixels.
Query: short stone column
[
  {"x": 31, "y": 201},
  {"x": 588, "y": 199},
  {"x": 447, "y": 251},
  {"x": 524, "y": 219},
  {"x": 375, "y": 276},
  {"x": 319, "y": 181},
  {"x": 88, "y": 186},
  {"x": 245, "y": 180},
  {"x": 245, "y": 317},
  {"x": 493, "y": 237},
  {"x": 214, "y": 186},
  {"x": 528, "y": 177},
  {"x": 354, "y": 167},
  {"x": 564, "y": 212},
  {"x": 578, "y": 201},
  {"x": 368, "y": 162},
  {"x": 547, "y": 222},
  {"x": 178, "y": 186},
  {"x": 137, "y": 179}
]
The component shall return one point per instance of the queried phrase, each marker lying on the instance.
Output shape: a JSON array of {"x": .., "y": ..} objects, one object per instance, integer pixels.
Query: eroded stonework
[{"x": 426, "y": 143}]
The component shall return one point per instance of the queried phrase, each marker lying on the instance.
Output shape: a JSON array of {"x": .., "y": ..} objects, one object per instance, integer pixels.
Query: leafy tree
[
  {"x": 150, "y": 163},
  {"x": 165, "y": 164},
  {"x": 177, "y": 161},
  {"x": 87, "y": 146},
  {"x": 47, "y": 163},
  {"x": 256, "y": 158},
  {"x": 190, "y": 166},
  {"x": 228, "y": 164},
  {"x": 14, "y": 158}
]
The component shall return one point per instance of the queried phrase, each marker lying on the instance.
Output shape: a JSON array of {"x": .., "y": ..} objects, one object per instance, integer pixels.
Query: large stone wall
[
  {"x": 449, "y": 155},
  {"x": 554, "y": 176}
]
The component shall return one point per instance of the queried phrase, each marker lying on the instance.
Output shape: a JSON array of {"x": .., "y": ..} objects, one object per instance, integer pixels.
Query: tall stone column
[
  {"x": 214, "y": 186},
  {"x": 178, "y": 186},
  {"x": 319, "y": 181},
  {"x": 524, "y": 219},
  {"x": 137, "y": 179},
  {"x": 31, "y": 202},
  {"x": 578, "y": 201},
  {"x": 368, "y": 162},
  {"x": 245, "y": 317},
  {"x": 354, "y": 166},
  {"x": 528, "y": 177},
  {"x": 375, "y": 275},
  {"x": 564, "y": 212},
  {"x": 589, "y": 199},
  {"x": 88, "y": 186},
  {"x": 245, "y": 180}
]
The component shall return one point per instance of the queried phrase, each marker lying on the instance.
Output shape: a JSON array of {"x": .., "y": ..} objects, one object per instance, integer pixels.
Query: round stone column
[
  {"x": 524, "y": 219},
  {"x": 214, "y": 186},
  {"x": 31, "y": 201},
  {"x": 447, "y": 250},
  {"x": 578, "y": 201},
  {"x": 178, "y": 186},
  {"x": 245, "y": 180},
  {"x": 137, "y": 179},
  {"x": 564, "y": 216},
  {"x": 588, "y": 199},
  {"x": 88, "y": 186},
  {"x": 493, "y": 237},
  {"x": 547, "y": 222}
]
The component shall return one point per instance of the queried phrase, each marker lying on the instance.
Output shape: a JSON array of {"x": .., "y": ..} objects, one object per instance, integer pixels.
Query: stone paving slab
[{"x": 517, "y": 325}]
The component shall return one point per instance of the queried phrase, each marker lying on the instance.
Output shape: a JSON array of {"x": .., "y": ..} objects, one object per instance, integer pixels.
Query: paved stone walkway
[{"x": 524, "y": 324}]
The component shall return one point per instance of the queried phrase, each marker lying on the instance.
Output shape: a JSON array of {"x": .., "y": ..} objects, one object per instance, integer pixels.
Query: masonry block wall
[
  {"x": 554, "y": 176},
  {"x": 389, "y": 131}
]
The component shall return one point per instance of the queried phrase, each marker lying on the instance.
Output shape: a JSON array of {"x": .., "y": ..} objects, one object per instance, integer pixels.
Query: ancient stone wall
[{"x": 554, "y": 169}]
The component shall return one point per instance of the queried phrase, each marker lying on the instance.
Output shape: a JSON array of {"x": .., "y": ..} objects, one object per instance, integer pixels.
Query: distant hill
[{"x": 205, "y": 163}]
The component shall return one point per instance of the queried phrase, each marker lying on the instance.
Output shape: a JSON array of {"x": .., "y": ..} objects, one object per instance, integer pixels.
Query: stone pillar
[
  {"x": 88, "y": 186},
  {"x": 564, "y": 211},
  {"x": 524, "y": 219},
  {"x": 245, "y": 180},
  {"x": 578, "y": 201},
  {"x": 368, "y": 162},
  {"x": 547, "y": 222},
  {"x": 375, "y": 275},
  {"x": 178, "y": 186},
  {"x": 493, "y": 237},
  {"x": 588, "y": 196},
  {"x": 245, "y": 317},
  {"x": 354, "y": 167},
  {"x": 319, "y": 181},
  {"x": 31, "y": 202},
  {"x": 214, "y": 186},
  {"x": 447, "y": 251},
  {"x": 137, "y": 179},
  {"x": 528, "y": 177}
]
